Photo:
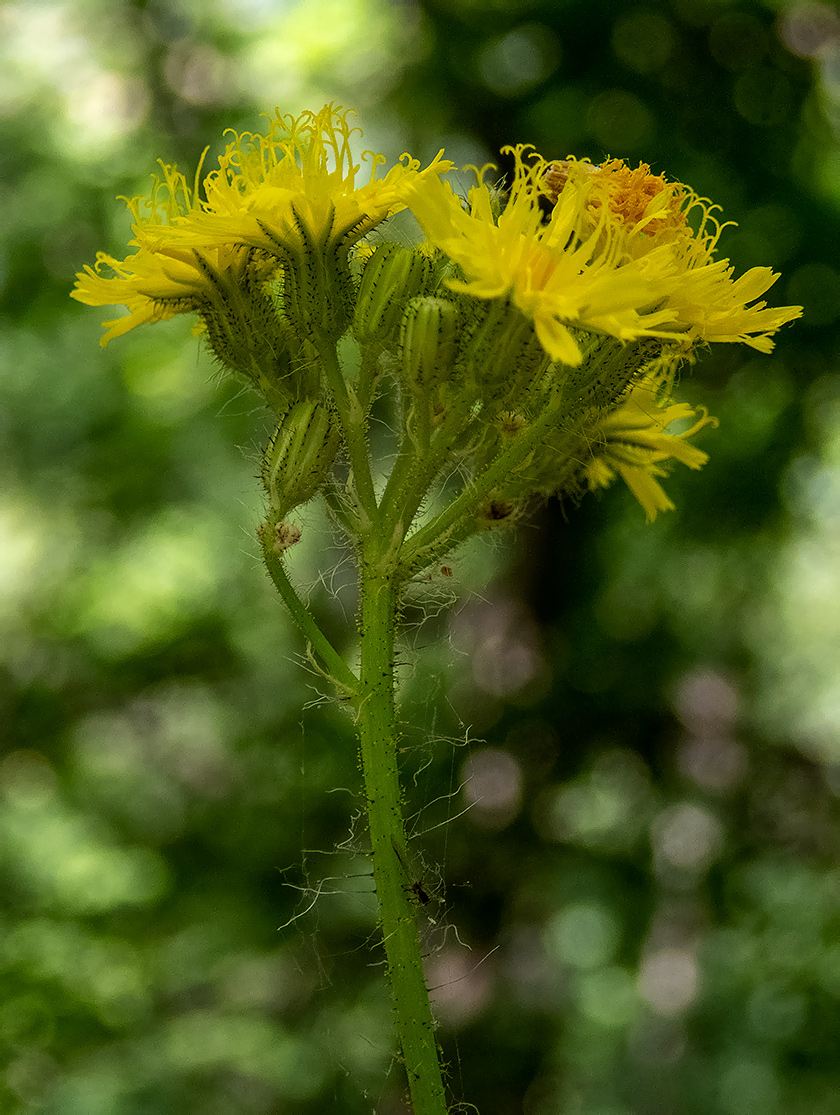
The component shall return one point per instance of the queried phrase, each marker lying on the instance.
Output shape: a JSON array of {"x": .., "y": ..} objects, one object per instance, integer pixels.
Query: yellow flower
[
  {"x": 162, "y": 278},
  {"x": 138, "y": 284},
  {"x": 561, "y": 272},
  {"x": 606, "y": 249},
  {"x": 273, "y": 195},
  {"x": 632, "y": 441},
  {"x": 298, "y": 182},
  {"x": 708, "y": 304},
  {"x": 157, "y": 285}
]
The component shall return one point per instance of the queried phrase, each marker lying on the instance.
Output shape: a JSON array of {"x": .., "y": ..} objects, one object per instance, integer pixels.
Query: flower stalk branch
[
  {"x": 344, "y": 678},
  {"x": 353, "y": 422}
]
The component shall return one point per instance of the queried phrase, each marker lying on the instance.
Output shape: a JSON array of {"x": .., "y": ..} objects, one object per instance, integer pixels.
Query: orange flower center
[
  {"x": 632, "y": 191},
  {"x": 629, "y": 192}
]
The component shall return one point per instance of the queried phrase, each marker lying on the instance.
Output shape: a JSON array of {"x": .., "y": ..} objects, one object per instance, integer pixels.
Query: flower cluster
[{"x": 533, "y": 335}]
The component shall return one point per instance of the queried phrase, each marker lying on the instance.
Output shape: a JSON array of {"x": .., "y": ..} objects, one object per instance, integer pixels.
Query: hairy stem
[
  {"x": 343, "y": 676},
  {"x": 353, "y": 420},
  {"x": 417, "y": 467},
  {"x": 377, "y": 728},
  {"x": 454, "y": 522}
]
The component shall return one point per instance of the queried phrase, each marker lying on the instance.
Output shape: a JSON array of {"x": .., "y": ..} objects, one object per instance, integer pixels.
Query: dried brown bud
[{"x": 286, "y": 534}]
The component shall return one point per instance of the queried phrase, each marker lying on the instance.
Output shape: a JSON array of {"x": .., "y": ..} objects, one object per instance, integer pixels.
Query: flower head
[
  {"x": 272, "y": 199},
  {"x": 562, "y": 272},
  {"x": 614, "y": 254},
  {"x": 633, "y": 442},
  {"x": 157, "y": 285},
  {"x": 297, "y": 183},
  {"x": 707, "y": 304},
  {"x": 163, "y": 278}
]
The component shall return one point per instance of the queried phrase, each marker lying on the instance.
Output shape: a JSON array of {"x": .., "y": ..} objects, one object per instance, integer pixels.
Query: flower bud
[
  {"x": 428, "y": 342},
  {"x": 317, "y": 287},
  {"x": 299, "y": 455},
  {"x": 607, "y": 370},
  {"x": 391, "y": 277},
  {"x": 501, "y": 352}
]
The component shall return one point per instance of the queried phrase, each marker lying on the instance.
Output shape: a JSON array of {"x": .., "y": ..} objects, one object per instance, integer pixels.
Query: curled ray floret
[{"x": 634, "y": 442}]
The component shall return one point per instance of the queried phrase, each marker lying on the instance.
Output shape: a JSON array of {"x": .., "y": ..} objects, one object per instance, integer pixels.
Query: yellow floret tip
[{"x": 633, "y": 442}]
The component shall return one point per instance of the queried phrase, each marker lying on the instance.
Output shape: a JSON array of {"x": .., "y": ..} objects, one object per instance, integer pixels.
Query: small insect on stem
[
  {"x": 416, "y": 887},
  {"x": 420, "y": 894}
]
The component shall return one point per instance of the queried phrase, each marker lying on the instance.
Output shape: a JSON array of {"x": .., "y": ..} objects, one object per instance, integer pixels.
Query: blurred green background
[{"x": 622, "y": 745}]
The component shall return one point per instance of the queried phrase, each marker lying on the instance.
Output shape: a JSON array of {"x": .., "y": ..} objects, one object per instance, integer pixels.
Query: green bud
[
  {"x": 299, "y": 455},
  {"x": 428, "y": 342},
  {"x": 391, "y": 277},
  {"x": 316, "y": 292},
  {"x": 501, "y": 352},
  {"x": 608, "y": 369}
]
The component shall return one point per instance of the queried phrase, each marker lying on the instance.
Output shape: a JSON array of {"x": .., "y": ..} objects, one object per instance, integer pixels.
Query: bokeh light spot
[
  {"x": 519, "y": 60},
  {"x": 620, "y": 122},
  {"x": 493, "y": 787},
  {"x": 668, "y": 980},
  {"x": 501, "y": 639},
  {"x": 21, "y": 545},
  {"x": 687, "y": 836},
  {"x": 27, "y": 779},
  {"x": 584, "y": 935},
  {"x": 608, "y": 997},
  {"x": 715, "y": 763},
  {"x": 762, "y": 95},
  {"x": 706, "y": 701},
  {"x": 606, "y": 808},
  {"x": 199, "y": 74},
  {"x": 558, "y": 121},
  {"x": 643, "y": 41},
  {"x": 809, "y": 29},
  {"x": 459, "y": 984}
]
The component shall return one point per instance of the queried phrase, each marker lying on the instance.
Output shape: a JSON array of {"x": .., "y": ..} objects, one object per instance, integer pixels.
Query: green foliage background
[{"x": 621, "y": 740}]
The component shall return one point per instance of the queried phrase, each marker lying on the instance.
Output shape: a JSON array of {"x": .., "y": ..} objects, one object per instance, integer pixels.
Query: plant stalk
[
  {"x": 343, "y": 677},
  {"x": 378, "y": 737}
]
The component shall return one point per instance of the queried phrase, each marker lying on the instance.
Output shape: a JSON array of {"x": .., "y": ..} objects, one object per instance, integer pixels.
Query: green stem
[
  {"x": 343, "y": 510},
  {"x": 415, "y": 471},
  {"x": 343, "y": 676},
  {"x": 427, "y": 541},
  {"x": 376, "y": 723},
  {"x": 409, "y": 461},
  {"x": 366, "y": 382},
  {"x": 351, "y": 415}
]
